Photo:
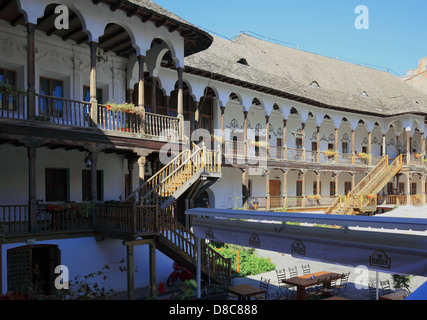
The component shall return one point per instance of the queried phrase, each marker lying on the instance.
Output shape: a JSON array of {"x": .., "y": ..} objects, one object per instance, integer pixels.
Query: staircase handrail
[
  {"x": 349, "y": 196},
  {"x": 194, "y": 154},
  {"x": 173, "y": 233}
]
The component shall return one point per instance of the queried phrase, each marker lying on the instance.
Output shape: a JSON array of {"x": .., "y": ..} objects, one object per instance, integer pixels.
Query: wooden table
[
  {"x": 303, "y": 282},
  {"x": 335, "y": 298},
  {"x": 398, "y": 295},
  {"x": 245, "y": 291}
]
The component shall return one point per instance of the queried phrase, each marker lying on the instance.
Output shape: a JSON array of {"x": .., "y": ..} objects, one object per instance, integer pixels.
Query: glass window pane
[
  {"x": 57, "y": 88},
  {"x": 45, "y": 86},
  {"x": 10, "y": 78}
]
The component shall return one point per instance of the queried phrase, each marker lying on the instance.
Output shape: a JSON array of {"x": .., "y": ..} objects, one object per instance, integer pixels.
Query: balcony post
[
  {"x": 370, "y": 147},
  {"x": 93, "y": 102},
  {"x": 384, "y": 147},
  {"x": 141, "y": 93},
  {"x": 267, "y": 190},
  {"x": 245, "y": 132},
  {"x": 31, "y": 72},
  {"x": 285, "y": 144},
  {"x": 32, "y": 187},
  {"x": 408, "y": 145},
  {"x": 223, "y": 129},
  {"x": 267, "y": 135},
  {"x": 408, "y": 189},
  {"x": 318, "y": 144},
  {"x": 130, "y": 270},
  {"x": 180, "y": 108},
  {"x": 353, "y": 145},
  {"x": 285, "y": 188},
  {"x": 336, "y": 145},
  {"x": 423, "y": 189},
  {"x": 303, "y": 141},
  {"x": 152, "y": 268},
  {"x": 303, "y": 202},
  {"x": 245, "y": 187}
]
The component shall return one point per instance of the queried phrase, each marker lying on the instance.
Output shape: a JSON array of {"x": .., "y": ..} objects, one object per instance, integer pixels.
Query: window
[
  {"x": 390, "y": 188},
  {"x": 298, "y": 142},
  {"x": 7, "y": 77},
  {"x": 332, "y": 191},
  {"x": 344, "y": 147},
  {"x": 86, "y": 94},
  {"x": 364, "y": 149},
  {"x": 51, "y": 88},
  {"x": 347, "y": 187},
  {"x": 87, "y": 182},
  {"x": 401, "y": 188},
  {"x": 57, "y": 184},
  {"x": 413, "y": 188}
]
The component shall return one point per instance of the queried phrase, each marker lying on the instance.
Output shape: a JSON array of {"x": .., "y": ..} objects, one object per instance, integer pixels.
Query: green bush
[{"x": 250, "y": 263}]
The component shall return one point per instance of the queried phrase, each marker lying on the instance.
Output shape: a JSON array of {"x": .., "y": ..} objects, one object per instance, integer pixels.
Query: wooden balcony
[
  {"x": 236, "y": 150},
  {"x": 67, "y": 113}
]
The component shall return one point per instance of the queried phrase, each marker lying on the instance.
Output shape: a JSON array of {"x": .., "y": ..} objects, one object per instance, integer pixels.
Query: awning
[{"x": 386, "y": 244}]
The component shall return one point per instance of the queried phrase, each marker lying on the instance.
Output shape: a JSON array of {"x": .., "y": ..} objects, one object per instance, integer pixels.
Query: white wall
[
  {"x": 14, "y": 173},
  {"x": 92, "y": 256}
]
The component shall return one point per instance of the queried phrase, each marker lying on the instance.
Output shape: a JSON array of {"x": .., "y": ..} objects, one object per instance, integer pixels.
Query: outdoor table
[
  {"x": 245, "y": 291},
  {"x": 336, "y": 298},
  {"x": 303, "y": 282},
  {"x": 398, "y": 295}
]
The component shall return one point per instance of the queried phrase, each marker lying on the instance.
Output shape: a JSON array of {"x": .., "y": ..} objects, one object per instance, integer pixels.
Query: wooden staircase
[
  {"x": 157, "y": 195},
  {"x": 363, "y": 198}
]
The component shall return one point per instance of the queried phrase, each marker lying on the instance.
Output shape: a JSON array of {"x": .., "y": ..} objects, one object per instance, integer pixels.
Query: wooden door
[{"x": 275, "y": 193}]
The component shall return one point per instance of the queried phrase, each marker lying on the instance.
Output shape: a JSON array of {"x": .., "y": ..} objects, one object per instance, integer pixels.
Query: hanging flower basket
[
  {"x": 370, "y": 196},
  {"x": 329, "y": 153},
  {"x": 263, "y": 144},
  {"x": 314, "y": 197},
  {"x": 418, "y": 155},
  {"x": 363, "y": 155},
  {"x": 217, "y": 139},
  {"x": 123, "y": 107}
]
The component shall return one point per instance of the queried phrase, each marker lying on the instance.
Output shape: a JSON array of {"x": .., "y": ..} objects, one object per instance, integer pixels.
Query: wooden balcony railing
[
  {"x": 50, "y": 219},
  {"x": 62, "y": 111},
  {"x": 13, "y": 105},
  {"x": 161, "y": 126}
]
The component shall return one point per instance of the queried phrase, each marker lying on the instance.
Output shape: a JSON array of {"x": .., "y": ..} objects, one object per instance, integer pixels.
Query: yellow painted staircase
[
  {"x": 153, "y": 206},
  {"x": 363, "y": 198}
]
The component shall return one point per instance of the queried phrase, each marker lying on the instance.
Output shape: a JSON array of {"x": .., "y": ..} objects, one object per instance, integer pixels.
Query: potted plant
[
  {"x": 12, "y": 91},
  {"x": 123, "y": 107},
  {"x": 418, "y": 155},
  {"x": 363, "y": 155},
  {"x": 329, "y": 152},
  {"x": 314, "y": 197}
]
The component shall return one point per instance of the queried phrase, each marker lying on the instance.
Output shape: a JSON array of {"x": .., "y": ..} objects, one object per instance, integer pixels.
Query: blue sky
[{"x": 396, "y": 38}]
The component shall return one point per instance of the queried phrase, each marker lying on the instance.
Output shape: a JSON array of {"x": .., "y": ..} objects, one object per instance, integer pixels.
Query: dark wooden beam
[
  {"x": 18, "y": 18},
  {"x": 72, "y": 32},
  {"x": 4, "y": 4},
  {"x": 115, "y": 6},
  {"x": 117, "y": 44},
  {"x": 147, "y": 17},
  {"x": 105, "y": 38},
  {"x": 131, "y": 13}
]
